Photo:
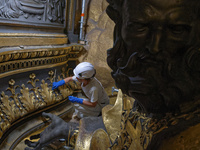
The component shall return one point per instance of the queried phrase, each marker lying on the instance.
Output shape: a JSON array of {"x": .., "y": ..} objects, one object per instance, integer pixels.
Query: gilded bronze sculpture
[{"x": 155, "y": 59}]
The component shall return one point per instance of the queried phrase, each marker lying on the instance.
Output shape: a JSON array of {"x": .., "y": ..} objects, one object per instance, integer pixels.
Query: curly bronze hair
[{"x": 173, "y": 81}]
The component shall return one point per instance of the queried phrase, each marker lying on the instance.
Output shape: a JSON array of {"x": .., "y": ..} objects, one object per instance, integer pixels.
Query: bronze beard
[{"x": 159, "y": 83}]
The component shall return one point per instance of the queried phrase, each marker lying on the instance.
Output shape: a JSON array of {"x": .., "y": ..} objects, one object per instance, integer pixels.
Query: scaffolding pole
[{"x": 81, "y": 38}]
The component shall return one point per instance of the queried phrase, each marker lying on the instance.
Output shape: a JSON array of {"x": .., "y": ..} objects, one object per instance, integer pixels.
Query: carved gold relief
[
  {"x": 114, "y": 118},
  {"x": 72, "y": 136},
  {"x": 26, "y": 54},
  {"x": 137, "y": 129},
  {"x": 19, "y": 60},
  {"x": 19, "y": 104},
  {"x": 134, "y": 130},
  {"x": 37, "y": 53}
]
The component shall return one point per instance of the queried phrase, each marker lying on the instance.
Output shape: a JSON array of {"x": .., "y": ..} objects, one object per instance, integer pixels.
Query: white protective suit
[{"x": 94, "y": 92}]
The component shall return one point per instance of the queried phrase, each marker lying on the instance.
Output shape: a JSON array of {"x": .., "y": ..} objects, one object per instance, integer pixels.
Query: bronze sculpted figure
[
  {"x": 57, "y": 129},
  {"x": 44, "y": 10},
  {"x": 155, "y": 57}
]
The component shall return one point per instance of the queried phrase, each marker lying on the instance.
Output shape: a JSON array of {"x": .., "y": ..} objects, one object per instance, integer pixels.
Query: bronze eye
[
  {"x": 137, "y": 26},
  {"x": 179, "y": 29}
]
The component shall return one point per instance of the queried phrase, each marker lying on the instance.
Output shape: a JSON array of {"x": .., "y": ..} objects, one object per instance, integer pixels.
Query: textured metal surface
[
  {"x": 15, "y": 140},
  {"x": 32, "y": 39},
  {"x": 89, "y": 134},
  {"x": 155, "y": 59},
  {"x": 16, "y": 106},
  {"x": 112, "y": 117},
  {"x": 34, "y": 59},
  {"x": 49, "y": 13}
]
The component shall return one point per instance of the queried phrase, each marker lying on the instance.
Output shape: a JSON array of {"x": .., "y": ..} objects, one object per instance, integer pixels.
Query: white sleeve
[
  {"x": 94, "y": 96},
  {"x": 74, "y": 78}
]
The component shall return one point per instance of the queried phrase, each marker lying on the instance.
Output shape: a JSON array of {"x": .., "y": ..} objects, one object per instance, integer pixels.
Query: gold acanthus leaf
[
  {"x": 6, "y": 107},
  {"x": 47, "y": 94},
  {"x": 28, "y": 99},
  {"x": 65, "y": 91}
]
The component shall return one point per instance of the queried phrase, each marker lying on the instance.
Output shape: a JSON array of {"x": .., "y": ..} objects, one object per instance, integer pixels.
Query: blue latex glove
[
  {"x": 75, "y": 99},
  {"x": 57, "y": 84}
]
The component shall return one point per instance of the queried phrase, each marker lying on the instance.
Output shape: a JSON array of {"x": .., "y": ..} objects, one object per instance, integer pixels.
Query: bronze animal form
[{"x": 58, "y": 129}]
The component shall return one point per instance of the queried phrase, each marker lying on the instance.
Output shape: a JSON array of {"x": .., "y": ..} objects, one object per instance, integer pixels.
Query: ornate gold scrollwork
[
  {"x": 137, "y": 129},
  {"x": 21, "y": 60},
  {"x": 18, "y": 105},
  {"x": 27, "y": 54}
]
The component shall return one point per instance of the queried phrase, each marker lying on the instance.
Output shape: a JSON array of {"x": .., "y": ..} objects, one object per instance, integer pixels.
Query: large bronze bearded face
[{"x": 156, "y": 57}]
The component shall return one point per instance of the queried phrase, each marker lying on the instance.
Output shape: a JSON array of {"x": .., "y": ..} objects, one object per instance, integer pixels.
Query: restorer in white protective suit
[{"x": 93, "y": 89}]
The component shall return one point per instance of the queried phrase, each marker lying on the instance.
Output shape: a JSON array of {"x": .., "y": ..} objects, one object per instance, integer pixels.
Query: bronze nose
[{"x": 154, "y": 43}]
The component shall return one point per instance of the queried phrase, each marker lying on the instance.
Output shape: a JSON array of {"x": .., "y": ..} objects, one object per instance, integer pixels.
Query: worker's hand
[
  {"x": 57, "y": 84},
  {"x": 75, "y": 99}
]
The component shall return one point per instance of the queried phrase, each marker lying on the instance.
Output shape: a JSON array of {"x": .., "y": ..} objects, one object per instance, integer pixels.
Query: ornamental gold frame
[
  {"x": 13, "y": 62},
  {"x": 16, "y": 106}
]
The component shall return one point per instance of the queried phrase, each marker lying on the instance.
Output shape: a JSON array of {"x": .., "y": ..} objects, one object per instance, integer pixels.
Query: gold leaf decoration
[
  {"x": 17, "y": 105},
  {"x": 6, "y": 108},
  {"x": 52, "y": 76},
  {"x": 1, "y": 126},
  {"x": 68, "y": 88},
  {"x": 33, "y": 81},
  {"x": 47, "y": 94},
  {"x": 65, "y": 91},
  {"x": 28, "y": 99},
  {"x": 1, "y": 58},
  {"x": 113, "y": 114}
]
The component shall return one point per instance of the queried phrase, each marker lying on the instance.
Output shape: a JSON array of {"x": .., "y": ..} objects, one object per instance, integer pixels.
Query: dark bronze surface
[{"x": 155, "y": 57}]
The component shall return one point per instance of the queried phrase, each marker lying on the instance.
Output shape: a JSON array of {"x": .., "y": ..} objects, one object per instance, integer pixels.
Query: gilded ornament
[
  {"x": 32, "y": 76},
  {"x": 42, "y": 53},
  {"x": 100, "y": 140},
  {"x": 63, "y": 72},
  {"x": 56, "y": 52},
  {"x": 28, "y": 100},
  {"x": 16, "y": 56},
  {"x": 6, "y": 107},
  {"x": 1, "y": 58},
  {"x": 112, "y": 115},
  {"x": 25, "y": 55},
  {"x": 52, "y": 76},
  {"x": 49, "y": 53},
  {"x": 34, "y": 54},
  {"x": 41, "y": 58},
  {"x": 12, "y": 82},
  {"x": 7, "y": 57},
  {"x": 47, "y": 94},
  {"x": 62, "y": 52}
]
